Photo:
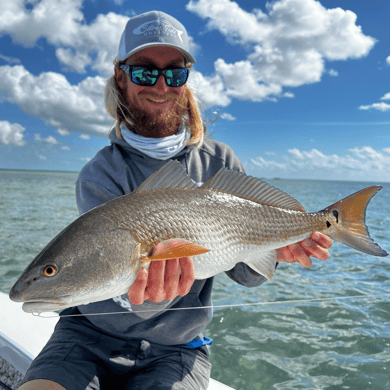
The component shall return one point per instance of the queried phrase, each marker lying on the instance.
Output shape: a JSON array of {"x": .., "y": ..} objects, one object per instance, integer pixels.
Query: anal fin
[{"x": 264, "y": 264}]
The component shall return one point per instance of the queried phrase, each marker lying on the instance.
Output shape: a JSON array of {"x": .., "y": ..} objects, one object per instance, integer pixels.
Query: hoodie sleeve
[
  {"x": 245, "y": 275},
  {"x": 90, "y": 194}
]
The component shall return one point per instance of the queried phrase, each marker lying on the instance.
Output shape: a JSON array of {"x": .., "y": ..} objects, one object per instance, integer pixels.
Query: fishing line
[{"x": 365, "y": 296}]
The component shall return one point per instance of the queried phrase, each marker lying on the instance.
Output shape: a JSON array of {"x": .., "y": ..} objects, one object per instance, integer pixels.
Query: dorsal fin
[
  {"x": 249, "y": 187},
  {"x": 170, "y": 175}
]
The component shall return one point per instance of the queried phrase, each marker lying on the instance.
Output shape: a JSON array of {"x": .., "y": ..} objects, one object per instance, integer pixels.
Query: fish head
[{"x": 90, "y": 252}]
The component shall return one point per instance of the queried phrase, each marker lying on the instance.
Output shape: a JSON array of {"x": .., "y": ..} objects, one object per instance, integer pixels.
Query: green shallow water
[{"x": 325, "y": 344}]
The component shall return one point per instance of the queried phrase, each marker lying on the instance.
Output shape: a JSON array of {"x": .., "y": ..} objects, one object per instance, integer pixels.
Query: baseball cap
[{"x": 153, "y": 28}]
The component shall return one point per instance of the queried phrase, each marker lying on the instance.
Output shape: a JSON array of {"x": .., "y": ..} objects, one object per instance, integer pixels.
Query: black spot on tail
[
  {"x": 336, "y": 215},
  {"x": 328, "y": 224}
]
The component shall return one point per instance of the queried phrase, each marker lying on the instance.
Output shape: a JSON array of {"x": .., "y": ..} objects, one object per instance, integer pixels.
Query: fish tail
[{"x": 348, "y": 217}]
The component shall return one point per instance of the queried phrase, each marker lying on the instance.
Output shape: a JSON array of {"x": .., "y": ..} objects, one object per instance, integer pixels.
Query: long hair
[{"x": 115, "y": 106}]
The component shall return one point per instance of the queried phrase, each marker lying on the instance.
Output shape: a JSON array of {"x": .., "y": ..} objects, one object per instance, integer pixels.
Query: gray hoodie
[{"x": 117, "y": 170}]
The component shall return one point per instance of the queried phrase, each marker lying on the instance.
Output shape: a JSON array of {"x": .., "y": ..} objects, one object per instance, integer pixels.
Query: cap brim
[{"x": 186, "y": 54}]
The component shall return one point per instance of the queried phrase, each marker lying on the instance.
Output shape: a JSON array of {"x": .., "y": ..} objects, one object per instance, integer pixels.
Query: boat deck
[{"x": 22, "y": 336}]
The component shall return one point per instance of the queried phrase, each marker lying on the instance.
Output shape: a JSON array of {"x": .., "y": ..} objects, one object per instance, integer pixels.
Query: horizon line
[{"x": 259, "y": 177}]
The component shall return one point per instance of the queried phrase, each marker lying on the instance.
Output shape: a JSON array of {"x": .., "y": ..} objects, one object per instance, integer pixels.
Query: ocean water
[{"x": 332, "y": 340}]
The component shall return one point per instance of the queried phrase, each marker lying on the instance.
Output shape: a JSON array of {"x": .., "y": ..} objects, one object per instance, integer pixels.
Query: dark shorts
[{"x": 79, "y": 357}]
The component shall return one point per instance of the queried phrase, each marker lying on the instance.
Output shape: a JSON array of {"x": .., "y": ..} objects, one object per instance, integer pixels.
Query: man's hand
[
  {"x": 315, "y": 246},
  {"x": 163, "y": 281}
]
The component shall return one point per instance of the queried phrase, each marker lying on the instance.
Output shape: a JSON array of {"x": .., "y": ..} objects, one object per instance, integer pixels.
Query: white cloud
[
  {"x": 388, "y": 60},
  {"x": 289, "y": 45},
  {"x": 50, "y": 139},
  {"x": 52, "y": 98},
  {"x": 317, "y": 159},
  {"x": 101, "y": 39},
  {"x": 65, "y": 148},
  {"x": 54, "y": 20},
  {"x": 260, "y": 162},
  {"x": 209, "y": 90},
  {"x": 194, "y": 47},
  {"x": 290, "y": 24},
  {"x": 63, "y": 132},
  {"x": 227, "y": 116},
  {"x": 363, "y": 163},
  {"x": 245, "y": 87},
  {"x": 11, "y": 134},
  {"x": 289, "y": 95},
  {"x": 10, "y": 60},
  {"x": 63, "y": 25},
  {"x": 333, "y": 73},
  {"x": 85, "y": 137},
  {"x": 74, "y": 60},
  {"x": 376, "y": 106},
  {"x": 367, "y": 152},
  {"x": 231, "y": 20}
]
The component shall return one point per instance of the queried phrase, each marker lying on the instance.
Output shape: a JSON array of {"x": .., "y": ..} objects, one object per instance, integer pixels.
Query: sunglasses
[{"x": 141, "y": 75}]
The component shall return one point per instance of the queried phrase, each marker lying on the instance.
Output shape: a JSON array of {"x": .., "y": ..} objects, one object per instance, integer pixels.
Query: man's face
[{"x": 157, "y": 109}]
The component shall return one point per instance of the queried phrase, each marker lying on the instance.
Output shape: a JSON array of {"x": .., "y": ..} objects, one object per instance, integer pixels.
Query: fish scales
[{"x": 212, "y": 219}]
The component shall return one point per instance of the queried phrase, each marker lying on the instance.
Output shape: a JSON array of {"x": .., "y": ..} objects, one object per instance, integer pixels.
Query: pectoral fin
[{"x": 174, "y": 249}]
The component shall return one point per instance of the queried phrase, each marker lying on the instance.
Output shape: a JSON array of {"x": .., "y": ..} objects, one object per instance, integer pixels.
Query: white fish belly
[
  {"x": 223, "y": 259},
  {"x": 211, "y": 263}
]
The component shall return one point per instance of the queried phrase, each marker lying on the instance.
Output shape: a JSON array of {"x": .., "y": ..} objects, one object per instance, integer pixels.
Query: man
[{"x": 146, "y": 346}]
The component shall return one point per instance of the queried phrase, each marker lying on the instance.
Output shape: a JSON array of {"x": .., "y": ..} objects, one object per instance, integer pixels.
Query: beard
[{"x": 157, "y": 123}]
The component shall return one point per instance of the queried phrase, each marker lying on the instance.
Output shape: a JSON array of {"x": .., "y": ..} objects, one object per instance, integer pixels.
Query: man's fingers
[
  {"x": 300, "y": 255},
  {"x": 137, "y": 289},
  {"x": 313, "y": 249},
  {"x": 171, "y": 281},
  {"x": 321, "y": 239},
  {"x": 284, "y": 254},
  {"x": 187, "y": 276},
  {"x": 155, "y": 287},
  {"x": 179, "y": 277}
]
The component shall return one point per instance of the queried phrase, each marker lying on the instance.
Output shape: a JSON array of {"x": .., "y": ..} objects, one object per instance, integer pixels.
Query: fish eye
[{"x": 50, "y": 270}]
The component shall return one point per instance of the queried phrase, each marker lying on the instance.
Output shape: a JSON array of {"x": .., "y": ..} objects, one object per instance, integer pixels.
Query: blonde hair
[{"x": 120, "y": 112}]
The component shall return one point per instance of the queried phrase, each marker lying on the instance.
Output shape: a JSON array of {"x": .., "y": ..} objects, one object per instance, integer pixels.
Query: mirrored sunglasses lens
[
  {"x": 176, "y": 77},
  {"x": 143, "y": 76}
]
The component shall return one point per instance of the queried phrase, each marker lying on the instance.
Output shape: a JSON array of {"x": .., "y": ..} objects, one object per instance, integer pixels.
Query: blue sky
[{"x": 301, "y": 87}]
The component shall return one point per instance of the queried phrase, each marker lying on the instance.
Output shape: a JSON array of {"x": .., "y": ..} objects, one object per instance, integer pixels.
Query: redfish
[{"x": 229, "y": 219}]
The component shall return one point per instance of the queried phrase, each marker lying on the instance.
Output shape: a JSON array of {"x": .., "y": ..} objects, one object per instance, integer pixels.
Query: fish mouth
[{"x": 44, "y": 305}]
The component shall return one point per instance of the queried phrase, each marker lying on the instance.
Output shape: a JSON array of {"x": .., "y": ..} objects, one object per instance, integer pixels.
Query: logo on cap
[{"x": 158, "y": 27}]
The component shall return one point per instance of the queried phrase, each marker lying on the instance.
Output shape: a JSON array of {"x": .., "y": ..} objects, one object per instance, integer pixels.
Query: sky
[{"x": 300, "y": 88}]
